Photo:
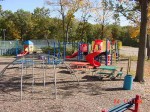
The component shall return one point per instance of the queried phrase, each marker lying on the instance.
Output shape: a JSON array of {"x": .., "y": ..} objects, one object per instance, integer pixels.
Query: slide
[
  {"x": 91, "y": 60},
  {"x": 73, "y": 55},
  {"x": 23, "y": 53},
  {"x": 2, "y": 72}
]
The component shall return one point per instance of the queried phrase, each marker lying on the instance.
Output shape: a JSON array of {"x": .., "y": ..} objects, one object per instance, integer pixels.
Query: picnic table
[
  {"x": 106, "y": 71},
  {"x": 79, "y": 64}
]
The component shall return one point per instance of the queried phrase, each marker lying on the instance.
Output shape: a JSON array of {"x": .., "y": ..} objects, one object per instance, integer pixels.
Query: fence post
[{"x": 129, "y": 65}]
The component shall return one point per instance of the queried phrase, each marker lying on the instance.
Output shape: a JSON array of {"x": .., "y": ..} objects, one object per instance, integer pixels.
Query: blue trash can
[{"x": 128, "y": 80}]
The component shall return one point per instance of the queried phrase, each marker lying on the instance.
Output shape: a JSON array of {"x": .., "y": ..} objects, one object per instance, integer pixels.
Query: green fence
[{"x": 10, "y": 47}]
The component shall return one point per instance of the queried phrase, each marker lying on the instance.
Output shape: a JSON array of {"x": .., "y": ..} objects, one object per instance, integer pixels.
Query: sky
[{"x": 30, "y": 5}]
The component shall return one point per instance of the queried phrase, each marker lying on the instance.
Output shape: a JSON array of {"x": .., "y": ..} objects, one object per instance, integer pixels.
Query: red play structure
[
  {"x": 73, "y": 55},
  {"x": 90, "y": 57},
  {"x": 97, "y": 50},
  {"x": 83, "y": 48},
  {"x": 23, "y": 53}
]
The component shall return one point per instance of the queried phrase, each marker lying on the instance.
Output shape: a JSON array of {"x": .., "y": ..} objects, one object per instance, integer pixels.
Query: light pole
[{"x": 4, "y": 30}]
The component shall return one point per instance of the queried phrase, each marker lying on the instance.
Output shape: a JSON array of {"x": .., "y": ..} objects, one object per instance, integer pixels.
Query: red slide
[
  {"x": 73, "y": 55},
  {"x": 23, "y": 53},
  {"x": 91, "y": 60}
]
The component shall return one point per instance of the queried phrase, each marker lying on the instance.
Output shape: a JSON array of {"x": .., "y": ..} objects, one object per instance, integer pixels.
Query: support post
[
  {"x": 54, "y": 49},
  {"x": 137, "y": 103},
  {"x": 106, "y": 57},
  {"x": 58, "y": 50},
  {"x": 64, "y": 51},
  {"x": 16, "y": 48}
]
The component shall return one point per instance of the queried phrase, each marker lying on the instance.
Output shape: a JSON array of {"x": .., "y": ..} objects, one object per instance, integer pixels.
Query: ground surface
[{"x": 91, "y": 95}]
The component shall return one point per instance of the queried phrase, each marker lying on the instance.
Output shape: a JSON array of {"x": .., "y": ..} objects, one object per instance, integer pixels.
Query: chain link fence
[{"x": 10, "y": 47}]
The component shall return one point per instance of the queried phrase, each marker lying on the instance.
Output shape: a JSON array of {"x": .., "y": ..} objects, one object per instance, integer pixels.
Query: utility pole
[{"x": 4, "y": 30}]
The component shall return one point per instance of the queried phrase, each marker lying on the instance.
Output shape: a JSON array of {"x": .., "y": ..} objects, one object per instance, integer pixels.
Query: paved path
[{"x": 129, "y": 51}]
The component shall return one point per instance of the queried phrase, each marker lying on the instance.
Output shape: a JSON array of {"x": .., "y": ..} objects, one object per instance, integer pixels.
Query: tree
[
  {"x": 103, "y": 14},
  {"x": 67, "y": 9},
  {"x": 23, "y": 23},
  {"x": 41, "y": 23},
  {"x": 86, "y": 9},
  {"x": 7, "y": 23},
  {"x": 142, "y": 6},
  {"x": 142, "y": 41},
  {"x": 148, "y": 47}
]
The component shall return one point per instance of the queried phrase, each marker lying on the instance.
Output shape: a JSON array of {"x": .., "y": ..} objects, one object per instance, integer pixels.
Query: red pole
[
  {"x": 137, "y": 103},
  {"x": 104, "y": 110}
]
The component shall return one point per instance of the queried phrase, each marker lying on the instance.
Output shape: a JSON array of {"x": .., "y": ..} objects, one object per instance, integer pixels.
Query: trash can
[{"x": 128, "y": 80}]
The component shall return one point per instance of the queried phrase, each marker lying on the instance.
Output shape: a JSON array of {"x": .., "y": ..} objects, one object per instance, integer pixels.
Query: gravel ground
[{"x": 91, "y": 95}]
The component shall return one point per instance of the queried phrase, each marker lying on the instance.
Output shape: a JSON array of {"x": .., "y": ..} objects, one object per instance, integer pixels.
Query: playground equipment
[
  {"x": 31, "y": 63},
  {"x": 28, "y": 48},
  {"x": 135, "y": 102},
  {"x": 116, "y": 46},
  {"x": 91, "y": 57},
  {"x": 97, "y": 50},
  {"x": 23, "y": 53},
  {"x": 82, "y": 48},
  {"x": 2, "y": 72},
  {"x": 73, "y": 55}
]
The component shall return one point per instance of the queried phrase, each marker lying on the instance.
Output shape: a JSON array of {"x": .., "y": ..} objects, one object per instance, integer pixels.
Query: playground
[{"x": 90, "y": 94}]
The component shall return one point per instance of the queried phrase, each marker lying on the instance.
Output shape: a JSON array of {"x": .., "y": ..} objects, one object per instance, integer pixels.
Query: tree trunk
[
  {"x": 63, "y": 20},
  {"x": 142, "y": 42},
  {"x": 102, "y": 32},
  {"x": 148, "y": 47}
]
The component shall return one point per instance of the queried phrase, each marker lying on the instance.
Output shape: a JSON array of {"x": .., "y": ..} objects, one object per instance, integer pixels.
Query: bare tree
[
  {"x": 103, "y": 14},
  {"x": 67, "y": 9}
]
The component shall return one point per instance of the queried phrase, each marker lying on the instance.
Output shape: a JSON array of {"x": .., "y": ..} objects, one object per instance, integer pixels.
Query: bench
[
  {"x": 110, "y": 74},
  {"x": 127, "y": 106}
]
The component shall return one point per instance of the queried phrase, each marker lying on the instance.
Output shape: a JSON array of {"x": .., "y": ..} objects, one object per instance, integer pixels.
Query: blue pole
[
  {"x": 16, "y": 48},
  {"x": 106, "y": 53},
  {"x": 48, "y": 56},
  {"x": 54, "y": 49},
  {"x": 111, "y": 53},
  {"x": 64, "y": 50},
  {"x": 59, "y": 50},
  {"x": 88, "y": 48},
  {"x": 116, "y": 50},
  {"x": 78, "y": 51}
]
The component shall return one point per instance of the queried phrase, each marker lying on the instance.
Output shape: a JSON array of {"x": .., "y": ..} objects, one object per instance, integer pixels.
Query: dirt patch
[{"x": 91, "y": 95}]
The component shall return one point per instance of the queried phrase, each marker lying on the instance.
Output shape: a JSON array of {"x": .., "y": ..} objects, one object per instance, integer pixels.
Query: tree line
[{"x": 24, "y": 25}]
